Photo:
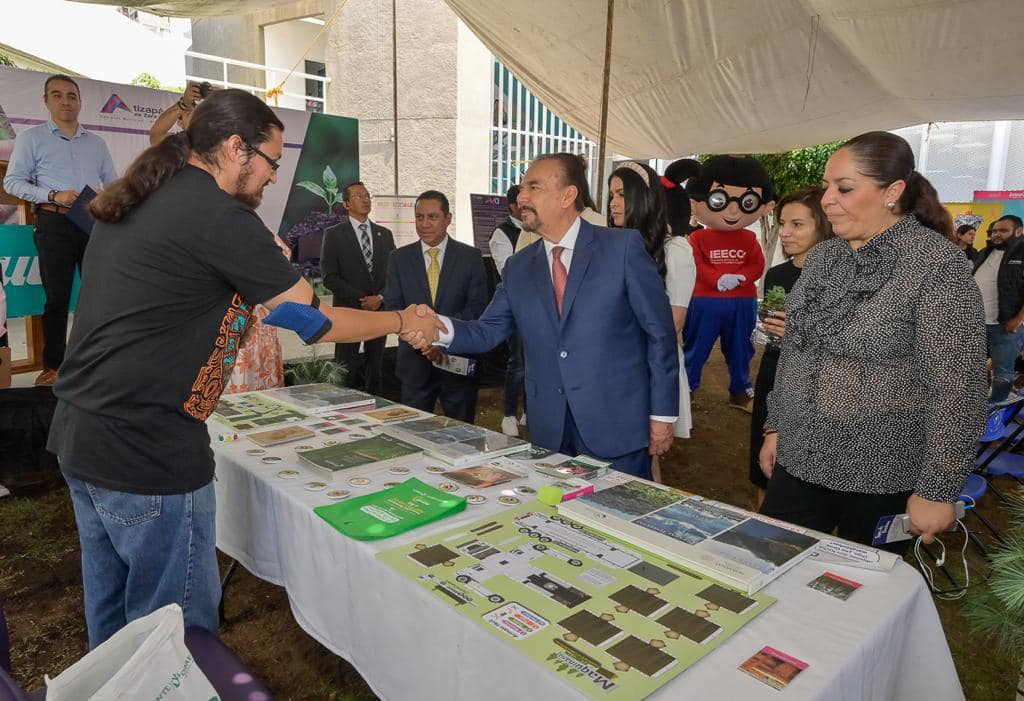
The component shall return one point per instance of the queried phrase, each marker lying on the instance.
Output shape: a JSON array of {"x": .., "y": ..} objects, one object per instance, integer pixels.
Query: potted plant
[{"x": 316, "y": 220}]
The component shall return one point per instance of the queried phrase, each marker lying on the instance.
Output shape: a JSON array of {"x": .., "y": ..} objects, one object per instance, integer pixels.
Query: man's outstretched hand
[{"x": 420, "y": 326}]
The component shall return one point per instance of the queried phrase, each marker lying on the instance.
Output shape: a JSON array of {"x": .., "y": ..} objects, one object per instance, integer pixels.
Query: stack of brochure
[
  {"x": 375, "y": 451},
  {"x": 736, "y": 547},
  {"x": 457, "y": 443},
  {"x": 322, "y": 397}
]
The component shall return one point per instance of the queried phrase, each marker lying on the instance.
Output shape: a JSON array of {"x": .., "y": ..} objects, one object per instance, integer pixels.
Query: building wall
[{"x": 284, "y": 43}]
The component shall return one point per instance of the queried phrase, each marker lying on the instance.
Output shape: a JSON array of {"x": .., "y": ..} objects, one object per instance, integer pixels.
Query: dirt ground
[{"x": 40, "y": 573}]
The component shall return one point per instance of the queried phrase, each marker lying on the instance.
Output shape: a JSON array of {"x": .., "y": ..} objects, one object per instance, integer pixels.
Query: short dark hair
[
  {"x": 964, "y": 228},
  {"x": 512, "y": 196},
  {"x": 1013, "y": 219},
  {"x": 809, "y": 197},
  {"x": 574, "y": 172},
  {"x": 60, "y": 76},
  {"x": 345, "y": 194},
  {"x": 435, "y": 195}
]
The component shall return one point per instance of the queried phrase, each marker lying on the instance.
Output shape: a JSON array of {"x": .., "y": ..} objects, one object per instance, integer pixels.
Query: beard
[
  {"x": 531, "y": 223},
  {"x": 245, "y": 192}
]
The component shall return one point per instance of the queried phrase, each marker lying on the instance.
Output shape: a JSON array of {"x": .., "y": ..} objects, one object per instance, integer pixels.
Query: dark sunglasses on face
[{"x": 718, "y": 199}]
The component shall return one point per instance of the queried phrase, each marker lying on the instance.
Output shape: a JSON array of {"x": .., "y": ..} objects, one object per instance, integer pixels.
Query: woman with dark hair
[
  {"x": 964, "y": 239},
  {"x": 801, "y": 225},
  {"x": 881, "y": 390},
  {"x": 636, "y": 200}
]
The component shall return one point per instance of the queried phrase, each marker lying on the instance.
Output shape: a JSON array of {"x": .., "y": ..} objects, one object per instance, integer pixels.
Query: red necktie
[{"x": 559, "y": 276}]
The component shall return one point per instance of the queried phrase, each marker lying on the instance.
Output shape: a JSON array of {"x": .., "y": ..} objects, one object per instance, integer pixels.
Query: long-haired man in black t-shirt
[{"x": 176, "y": 263}]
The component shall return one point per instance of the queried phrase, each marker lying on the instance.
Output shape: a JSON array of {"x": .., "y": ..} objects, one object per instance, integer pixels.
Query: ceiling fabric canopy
[
  {"x": 194, "y": 8},
  {"x": 740, "y": 76}
]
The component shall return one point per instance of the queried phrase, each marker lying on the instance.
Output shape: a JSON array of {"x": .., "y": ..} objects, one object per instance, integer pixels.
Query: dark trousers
[
  {"x": 515, "y": 374},
  {"x": 61, "y": 247},
  {"x": 456, "y": 392},
  {"x": 636, "y": 463},
  {"x": 366, "y": 376},
  {"x": 855, "y": 514}
]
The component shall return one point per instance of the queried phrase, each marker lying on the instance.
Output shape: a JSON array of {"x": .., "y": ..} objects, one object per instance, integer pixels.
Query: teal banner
[{"x": 19, "y": 263}]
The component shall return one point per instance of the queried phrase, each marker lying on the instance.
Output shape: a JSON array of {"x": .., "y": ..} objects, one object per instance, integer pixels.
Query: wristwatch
[{"x": 50, "y": 197}]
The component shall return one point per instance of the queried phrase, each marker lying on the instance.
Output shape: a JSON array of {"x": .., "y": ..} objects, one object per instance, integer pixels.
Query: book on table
[
  {"x": 455, "y": 442},
  {"x": 322, "y": 397},
  {"x": 376, "y": 451},
  {"x": 582, "y": 466},
  {"x": 740, "y": 549}
]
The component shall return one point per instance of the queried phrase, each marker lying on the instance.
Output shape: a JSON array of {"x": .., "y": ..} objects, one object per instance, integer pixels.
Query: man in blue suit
[
  {"x": 450, "y": 277},
  {"x": 602, "y": 369}
]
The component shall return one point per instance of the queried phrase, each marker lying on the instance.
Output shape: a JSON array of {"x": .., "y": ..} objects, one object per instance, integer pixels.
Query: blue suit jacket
[
  {"x": 612, "y": 355},
  {"x": 461, "y": 294}
]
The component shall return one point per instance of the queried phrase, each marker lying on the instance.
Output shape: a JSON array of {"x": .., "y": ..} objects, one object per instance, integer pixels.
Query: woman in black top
[{"x": 802, "y": 224}]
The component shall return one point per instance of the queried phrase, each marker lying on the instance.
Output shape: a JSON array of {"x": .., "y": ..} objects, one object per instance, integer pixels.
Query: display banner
[
  {"x": 19, "y": 263},
  {"x": 488, "y": 211},
  {"x": 122, "y": 115},
  {"x": 398, "y": 213}
]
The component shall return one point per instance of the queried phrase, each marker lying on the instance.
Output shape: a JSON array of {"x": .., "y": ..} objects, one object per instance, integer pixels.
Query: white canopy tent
[{"x": 743, "y": 75}]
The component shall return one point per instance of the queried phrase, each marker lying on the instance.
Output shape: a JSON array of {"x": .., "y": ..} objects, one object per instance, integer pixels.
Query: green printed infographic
[
  {"x": 244, "y": 412},
  {"x": 613, "y": 622}
]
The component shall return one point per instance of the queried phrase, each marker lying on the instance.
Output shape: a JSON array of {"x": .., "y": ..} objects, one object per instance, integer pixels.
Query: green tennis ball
[{"x": 550, "y": 495}]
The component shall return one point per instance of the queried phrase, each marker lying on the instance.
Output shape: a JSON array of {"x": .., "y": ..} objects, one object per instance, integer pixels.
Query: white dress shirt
[
  {"x": 501, "y": 245},
  {"x": 359, "y": 235},
  {"x": 440, "y": 256},
  {"x": 568, "y": 243}
]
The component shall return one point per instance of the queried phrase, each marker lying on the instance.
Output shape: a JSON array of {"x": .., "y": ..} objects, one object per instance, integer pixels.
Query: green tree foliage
[
  {"x": 147, "y": 80},
  {"x": 796, "y": 169},
  {"x": 6, "y": 60}
]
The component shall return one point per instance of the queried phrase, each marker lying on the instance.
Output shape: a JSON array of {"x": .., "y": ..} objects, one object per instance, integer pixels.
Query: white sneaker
[
  {"x": 522, "y": 421},
  {"x": 509, "y": 426}
]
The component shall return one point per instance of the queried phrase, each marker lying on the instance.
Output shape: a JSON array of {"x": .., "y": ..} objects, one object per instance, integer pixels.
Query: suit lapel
[
  {"x": 448, "y": 268},
  {"x": 581, "y": 255},
  {"x": 420, "y": 271},
  {"x": 541, "y": 274}
]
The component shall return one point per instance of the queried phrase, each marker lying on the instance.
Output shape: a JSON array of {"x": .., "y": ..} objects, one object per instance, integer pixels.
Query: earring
[{"x": 891, "y": 205}]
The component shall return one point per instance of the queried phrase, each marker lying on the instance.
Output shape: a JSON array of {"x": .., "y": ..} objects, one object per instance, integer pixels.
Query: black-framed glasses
[
  {"x": 274, "y": 164},
  {"x": 718, "y": 199}
]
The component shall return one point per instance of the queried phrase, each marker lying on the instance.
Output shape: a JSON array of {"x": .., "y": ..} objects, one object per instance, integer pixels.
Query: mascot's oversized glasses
[{"x": 718, "y": 199}]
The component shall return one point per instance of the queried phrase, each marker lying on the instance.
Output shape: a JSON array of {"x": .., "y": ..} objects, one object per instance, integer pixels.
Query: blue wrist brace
[{"x": 309, "y": 323}]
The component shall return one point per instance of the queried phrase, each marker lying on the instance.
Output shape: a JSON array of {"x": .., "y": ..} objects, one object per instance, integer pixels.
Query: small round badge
[
  {"x": 399, "y": 470},
  {"x": 525, "y": 490},
  {"x": 315, "y": 486},
  {"x": 339, "y": 493},
  {"x": 329, "y": 443},
  {"x": 508, "y": 501},
  {"x": 448, "y": 487},
  {"x": 288, "y": 474},
  {"x": 360, "y": 481},
  {"x": 389, "y": 485},
  {"x": 475, "y": 499},
  {"x": 255, "y": 451},
  {"x": 300, "y": 448},
  {"x": 434, "y": 469},
  {"x": 271, "y": 459}
]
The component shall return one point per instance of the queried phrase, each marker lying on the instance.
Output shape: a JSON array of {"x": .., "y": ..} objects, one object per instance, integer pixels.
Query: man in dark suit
[
  {"x": 450, "y": 277},
  {"x": 602, "y": 369},
  {"x": 354, "y": 262}
]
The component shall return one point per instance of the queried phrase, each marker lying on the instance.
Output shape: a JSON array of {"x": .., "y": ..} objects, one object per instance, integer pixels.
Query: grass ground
[{"x": 40, "y": 575}]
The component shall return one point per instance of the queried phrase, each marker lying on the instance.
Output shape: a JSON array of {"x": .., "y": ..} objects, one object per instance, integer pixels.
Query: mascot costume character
[{"x": 728, "y": 194}]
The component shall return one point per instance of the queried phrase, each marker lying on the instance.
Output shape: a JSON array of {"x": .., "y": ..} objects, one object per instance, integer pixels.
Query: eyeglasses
[
  {"x": 718, "y": 199},
  {"x": 274, "y": 164}
]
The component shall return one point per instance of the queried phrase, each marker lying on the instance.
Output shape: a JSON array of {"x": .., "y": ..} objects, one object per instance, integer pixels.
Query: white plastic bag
[{"x": 147, "y": 659}]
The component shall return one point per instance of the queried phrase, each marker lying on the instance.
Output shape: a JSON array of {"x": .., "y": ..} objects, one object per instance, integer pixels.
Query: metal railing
[{"x": 272, "y": 76}]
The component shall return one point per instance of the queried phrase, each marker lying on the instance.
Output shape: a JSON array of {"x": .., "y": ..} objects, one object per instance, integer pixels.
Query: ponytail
[
  {"x": 920, "y": 199},
  {"x": 154, "y": 167}
]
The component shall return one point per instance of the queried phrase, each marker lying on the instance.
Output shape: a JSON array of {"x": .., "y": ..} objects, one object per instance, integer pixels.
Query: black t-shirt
[
  {"x": 166, "y": 295},
  {"x": 785, "y": 275}
]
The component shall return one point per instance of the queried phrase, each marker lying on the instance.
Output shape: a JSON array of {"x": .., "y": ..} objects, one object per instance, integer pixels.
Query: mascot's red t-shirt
[{"x": 719, "y": 252}]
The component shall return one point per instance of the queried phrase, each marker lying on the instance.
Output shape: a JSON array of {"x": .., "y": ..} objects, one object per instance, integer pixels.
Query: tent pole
[
  {"x": 609, "y": 24},
  {"x": 394, "y": 83}
]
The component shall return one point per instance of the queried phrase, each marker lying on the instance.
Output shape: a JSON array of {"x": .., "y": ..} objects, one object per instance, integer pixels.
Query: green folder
[{"x": 391, "y": 511}]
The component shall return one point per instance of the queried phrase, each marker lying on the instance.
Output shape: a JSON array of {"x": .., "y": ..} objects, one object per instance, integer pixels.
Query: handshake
[{"x": 420, "y": 328}]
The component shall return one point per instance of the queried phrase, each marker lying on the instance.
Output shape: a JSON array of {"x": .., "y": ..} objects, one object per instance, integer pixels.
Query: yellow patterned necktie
[{"x": 433, "y": 273}]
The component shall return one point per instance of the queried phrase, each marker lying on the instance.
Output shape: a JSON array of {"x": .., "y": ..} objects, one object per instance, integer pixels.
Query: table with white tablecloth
[{"x": 885, "y": 642}]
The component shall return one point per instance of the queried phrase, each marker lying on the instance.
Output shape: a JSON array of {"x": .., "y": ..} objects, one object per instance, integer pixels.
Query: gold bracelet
[{"x": 401, "y": 322}]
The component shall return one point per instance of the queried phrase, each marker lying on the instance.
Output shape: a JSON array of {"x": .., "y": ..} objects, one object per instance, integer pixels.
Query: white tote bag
[{"x": 147, "y": 659}]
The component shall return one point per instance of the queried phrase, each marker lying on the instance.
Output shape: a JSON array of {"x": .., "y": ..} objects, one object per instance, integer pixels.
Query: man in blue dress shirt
[{"x": 51, "y": 164}]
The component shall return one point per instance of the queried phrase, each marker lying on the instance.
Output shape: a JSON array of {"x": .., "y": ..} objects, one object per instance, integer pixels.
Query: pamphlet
[
  {"x": 322, "y": 397},
  {"x": 582, "y": 466},
  {"x": 277, "y": 436},
  {"x": 482, "y": 476},
  {"x": 774, "y": 668},
  {"x": 834, "y": 585},
  {"x": 391, "y": 511},
  {"x": 457, "y": 443},
  {"x": 377, "y": 450}
]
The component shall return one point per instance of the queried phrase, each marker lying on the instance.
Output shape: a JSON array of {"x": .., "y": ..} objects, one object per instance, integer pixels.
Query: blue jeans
[
  {"x": 515, "y": 374},
  {"x": 141, "y": 552},
  {"x": 1003, "y": 348}
]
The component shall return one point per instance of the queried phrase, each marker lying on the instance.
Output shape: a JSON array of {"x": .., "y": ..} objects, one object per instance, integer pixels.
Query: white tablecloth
[{"x": 884, "y": 643}]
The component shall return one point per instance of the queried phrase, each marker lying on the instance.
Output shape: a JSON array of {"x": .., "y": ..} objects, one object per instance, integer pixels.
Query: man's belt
[{"x": 49, "y": 207}]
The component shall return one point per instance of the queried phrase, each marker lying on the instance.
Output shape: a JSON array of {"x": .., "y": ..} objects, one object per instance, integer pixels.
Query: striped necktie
[
  {"x": 364, "y": 243},
  {"x": 433, "y": 273}
]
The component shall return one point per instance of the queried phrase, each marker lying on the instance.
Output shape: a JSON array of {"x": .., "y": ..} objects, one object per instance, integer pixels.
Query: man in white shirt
[
  {"x": 999, "y": 272},
  {"x": 503, "y": 240}
]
